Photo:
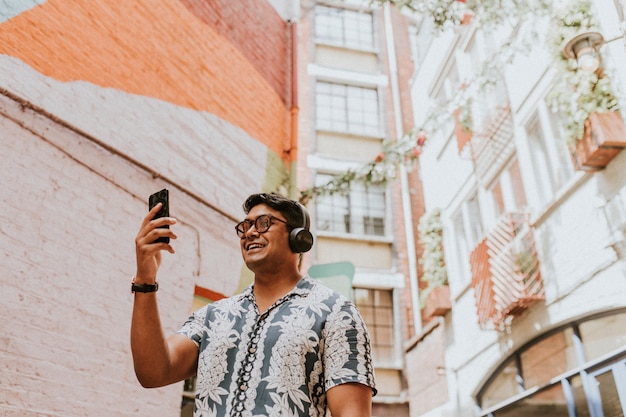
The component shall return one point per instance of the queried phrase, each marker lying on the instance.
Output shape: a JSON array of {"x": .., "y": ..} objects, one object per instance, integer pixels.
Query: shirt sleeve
[
  {"x": 193, "y": 328},
  {"x": 348, "y": 352}
]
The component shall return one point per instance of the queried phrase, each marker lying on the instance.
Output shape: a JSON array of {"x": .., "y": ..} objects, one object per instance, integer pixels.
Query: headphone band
[{"x": 306, "y": 222}]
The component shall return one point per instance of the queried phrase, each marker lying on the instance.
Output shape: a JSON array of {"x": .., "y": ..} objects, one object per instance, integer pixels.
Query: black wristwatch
[{"x": 144, "y": 287}]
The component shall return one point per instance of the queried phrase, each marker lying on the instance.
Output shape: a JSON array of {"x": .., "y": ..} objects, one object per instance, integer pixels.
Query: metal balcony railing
[
  {"x": 505, "y": 272},
  {"x": 492, "y": 147}
]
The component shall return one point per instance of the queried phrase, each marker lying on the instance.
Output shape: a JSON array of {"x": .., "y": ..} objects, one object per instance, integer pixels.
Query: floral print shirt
[{"x": 282, "y": 362}]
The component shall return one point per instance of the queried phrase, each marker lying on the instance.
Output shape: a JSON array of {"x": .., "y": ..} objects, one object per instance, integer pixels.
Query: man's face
[{"x": 268, "y": 249}]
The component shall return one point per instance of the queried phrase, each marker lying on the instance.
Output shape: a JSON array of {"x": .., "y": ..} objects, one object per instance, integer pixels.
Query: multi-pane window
[
  {"x": 361, "y": 211},
  {"x": 457, "y": 237},
  {"x": 467, "y": 230},
  {"x": 449, "y": 87},
  {"x": 479, "y": 50},
  {"x": 420, "y": 37},
  {"x": 346, "y": 108},
  {"x": 376, "y": 307},
  {"x": 475, "y": 53},
  {"x": 473, "y": 220},
  {"x": 551, "y": 166},
  {"x": 348, "y": 28},
  {"x": 507, "y": 191}
]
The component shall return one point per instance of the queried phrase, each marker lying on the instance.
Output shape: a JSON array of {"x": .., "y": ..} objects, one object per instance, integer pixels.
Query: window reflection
[
  {"x": 603, "y": 335},
  {"x": 584, "y": 374},
  {"x": 504, "y": 386},
  {"x": 548, "y": 358},
  {"x": 580, "y": 399},
  {"x": 549, "y": 402}
]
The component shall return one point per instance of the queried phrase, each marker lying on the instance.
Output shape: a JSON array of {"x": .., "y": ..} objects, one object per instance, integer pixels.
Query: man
[{"x": 286, "y": 346}]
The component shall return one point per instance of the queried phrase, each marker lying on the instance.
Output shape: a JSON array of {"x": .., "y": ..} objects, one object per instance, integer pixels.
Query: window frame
[
  {"x": 548, "y": 155},
  {"x": 346, "y": 17},
  {"x": 370, "y": 110},
  {"x": 507, "y": 192},
  {"x": 364, "y": 196},
  {"x": 463, "y": 242},
  {"x": 395, "y": 357},
  {"x": 421, "y": 37}
]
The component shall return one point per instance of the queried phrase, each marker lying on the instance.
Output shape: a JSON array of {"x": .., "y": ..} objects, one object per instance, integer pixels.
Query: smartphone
[{"x": 161, "y": 197}]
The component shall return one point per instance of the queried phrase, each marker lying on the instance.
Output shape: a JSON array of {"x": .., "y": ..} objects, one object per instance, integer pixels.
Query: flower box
[
  {"x": 603, "y": 138},
  {"x": 438, "y": 302},
  {"x": 463, "y": 135}
]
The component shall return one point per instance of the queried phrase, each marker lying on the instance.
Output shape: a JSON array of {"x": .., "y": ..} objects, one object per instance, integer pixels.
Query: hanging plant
[
  {"x": 408, "y": 148},
  {"x": 576, "y": 94},
  {"x": 430, "y": 237},
  {"x": 379, "y": 171},
  {"x": 454, "y": 13}
]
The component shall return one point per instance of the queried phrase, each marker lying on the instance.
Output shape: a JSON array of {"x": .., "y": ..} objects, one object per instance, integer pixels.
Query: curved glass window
[
  {"x": 548, "y": 358},
  {"x": 504, "y": 385},
  {"x": 578, "y": 370},
  {"x": 603, "y": 335}
]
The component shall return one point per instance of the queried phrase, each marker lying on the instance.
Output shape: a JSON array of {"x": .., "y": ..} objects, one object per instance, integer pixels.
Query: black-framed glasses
[{"x": 261, "y": 224}]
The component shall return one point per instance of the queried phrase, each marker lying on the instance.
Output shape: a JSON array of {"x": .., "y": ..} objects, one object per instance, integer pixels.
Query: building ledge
[{"x": 426, "y": 330}]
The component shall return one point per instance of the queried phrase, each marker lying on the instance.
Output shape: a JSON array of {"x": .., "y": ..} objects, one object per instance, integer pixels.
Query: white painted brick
[{"x": 68, "y": 217}]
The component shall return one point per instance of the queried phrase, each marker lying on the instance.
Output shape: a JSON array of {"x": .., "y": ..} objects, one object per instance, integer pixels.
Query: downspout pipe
[{"x": 292, "y": 150}]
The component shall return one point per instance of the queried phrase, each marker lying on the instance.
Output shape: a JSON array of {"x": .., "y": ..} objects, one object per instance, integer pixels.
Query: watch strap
[{"x": 144, "y": 287}]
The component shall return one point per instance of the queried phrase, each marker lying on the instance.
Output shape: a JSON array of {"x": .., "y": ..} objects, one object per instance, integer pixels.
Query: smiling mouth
[{"x": 254, "y": 246}]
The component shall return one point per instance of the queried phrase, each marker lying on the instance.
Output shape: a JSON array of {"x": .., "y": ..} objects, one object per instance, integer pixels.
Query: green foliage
[
  {"x": 451, "y": 13},
  {"x": 575, "y": 94},
  {"x": 430, "y": 237},
  {"x": 383, "y": 168}
]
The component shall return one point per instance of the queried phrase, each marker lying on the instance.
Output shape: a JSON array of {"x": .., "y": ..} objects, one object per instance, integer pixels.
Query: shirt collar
[{"x": 302, "y": 289}]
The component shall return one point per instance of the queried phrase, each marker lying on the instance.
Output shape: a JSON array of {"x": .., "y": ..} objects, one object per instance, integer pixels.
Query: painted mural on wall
[
  {"x": 103, "y": 102},
  {"x": 203, "y": 82},
  {"x": 168, "y": 51}
]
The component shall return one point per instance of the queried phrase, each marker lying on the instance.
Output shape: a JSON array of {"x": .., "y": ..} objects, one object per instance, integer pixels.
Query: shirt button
[
  {"x": 252, "y": 349},
  {"x": 243, "y": 387}
]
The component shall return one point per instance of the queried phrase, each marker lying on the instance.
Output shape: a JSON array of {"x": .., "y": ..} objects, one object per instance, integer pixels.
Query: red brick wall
[
  {"x": 426, "y": 376},
  {"x": 258, "y": 32}
]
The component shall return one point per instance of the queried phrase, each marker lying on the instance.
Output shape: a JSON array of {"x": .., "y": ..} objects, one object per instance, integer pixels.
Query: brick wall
[
  {"x": 426, "y": 374},
  {"x": 258, "y": 32},
  {"x": 161, "y": 49},
  {"x": 67, "y": 258},
  {"x": 101, "y": 104}
]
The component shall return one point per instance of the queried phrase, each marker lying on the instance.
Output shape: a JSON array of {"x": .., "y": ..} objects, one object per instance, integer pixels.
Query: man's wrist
[
  {"x": 139, "y": 279},
  {"x": 138, "y": 286}
]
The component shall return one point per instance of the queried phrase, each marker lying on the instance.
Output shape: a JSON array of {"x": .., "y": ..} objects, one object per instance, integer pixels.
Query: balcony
[
  {"x": 505, "y": 272},
  {"x": 493, "y": 146}
]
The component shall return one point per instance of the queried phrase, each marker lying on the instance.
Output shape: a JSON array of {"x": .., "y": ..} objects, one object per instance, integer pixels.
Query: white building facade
[{"x": 533, "y": 242}]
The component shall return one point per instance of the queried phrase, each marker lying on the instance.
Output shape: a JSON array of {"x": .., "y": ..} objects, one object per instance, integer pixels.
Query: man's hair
[{"x": 288, "y": 208}]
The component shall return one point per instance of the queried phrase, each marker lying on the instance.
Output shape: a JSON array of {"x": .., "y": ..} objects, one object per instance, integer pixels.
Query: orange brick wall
[
  {"x": 257, "y": 32},
  {"x": 167, "y": 50}
]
